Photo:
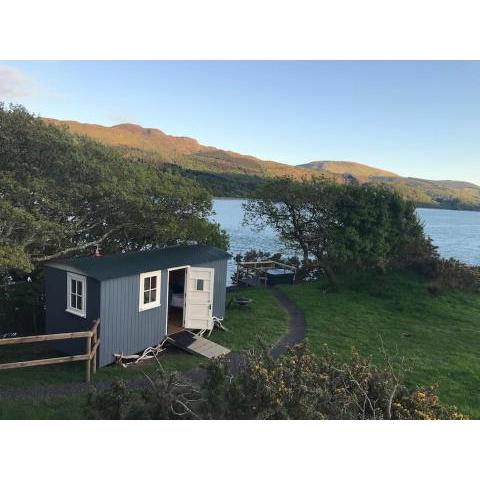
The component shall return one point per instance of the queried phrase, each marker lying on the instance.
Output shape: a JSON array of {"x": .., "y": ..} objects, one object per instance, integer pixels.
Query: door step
[{"x": 192, "y": 343}]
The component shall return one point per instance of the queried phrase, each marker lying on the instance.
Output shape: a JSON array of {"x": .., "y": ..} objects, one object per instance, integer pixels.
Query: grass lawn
[
  {"x": 264, "y": 318},
  {"x": 438, "y": 335},
  {"x": 52, "y": 408}
]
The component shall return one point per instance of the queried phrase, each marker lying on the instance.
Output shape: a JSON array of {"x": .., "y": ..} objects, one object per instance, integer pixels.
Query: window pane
[
  {"x": 199, "y": 284},
  {"x": 79, "y": 302},
  {"x": 74, "y": 286},
  {"x": 153, "y": 295},
  {"x": 145, "y": 297},
  {"x": 146, "y": 283},
  {"x": 73, "y": 302},
  {"x": 79, "y": 288},
  {"x": 153, "y": 282}
]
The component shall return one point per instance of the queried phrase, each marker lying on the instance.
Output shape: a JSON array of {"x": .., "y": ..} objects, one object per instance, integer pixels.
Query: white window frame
[
  {"x": 83, "y": 280},
  {"x": 142, "y": 306}
]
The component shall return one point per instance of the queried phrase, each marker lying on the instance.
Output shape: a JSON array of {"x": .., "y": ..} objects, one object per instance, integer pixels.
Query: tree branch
[{"x": 76, "y": 248}]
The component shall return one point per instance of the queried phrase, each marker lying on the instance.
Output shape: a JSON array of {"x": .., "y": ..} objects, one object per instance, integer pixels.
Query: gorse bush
[
  {"x": 449, "y": 274},
  {"x": 298, "y": 385}
]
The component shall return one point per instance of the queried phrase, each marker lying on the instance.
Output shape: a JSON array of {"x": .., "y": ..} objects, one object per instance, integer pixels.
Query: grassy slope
[
  {"x": 265, "y": 318},
  {"x": 444, "y": 331}
]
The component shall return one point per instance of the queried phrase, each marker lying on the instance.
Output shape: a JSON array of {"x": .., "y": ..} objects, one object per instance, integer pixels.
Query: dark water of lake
[{"x": 456, "y": 233}]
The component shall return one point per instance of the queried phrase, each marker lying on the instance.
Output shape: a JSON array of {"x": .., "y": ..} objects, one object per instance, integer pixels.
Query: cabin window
[
  {"x": 200, "y": 284},
  {"x": 149, "y": 290},
  {"x": 76, "y": 294}
]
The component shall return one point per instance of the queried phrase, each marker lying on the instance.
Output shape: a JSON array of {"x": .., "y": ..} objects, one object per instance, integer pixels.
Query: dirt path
[
  {"x": 295, "y": 335},
  {"x": 296, "y": 330}
]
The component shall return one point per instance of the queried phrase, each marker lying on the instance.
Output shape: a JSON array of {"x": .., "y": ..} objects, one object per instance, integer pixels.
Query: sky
[{"x": 418, "y": 119}]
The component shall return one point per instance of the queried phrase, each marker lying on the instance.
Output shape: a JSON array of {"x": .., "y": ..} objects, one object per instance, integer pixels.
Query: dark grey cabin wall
[
  {"x": 58, "y": 320},
  {"x": 123, "y": 328}
]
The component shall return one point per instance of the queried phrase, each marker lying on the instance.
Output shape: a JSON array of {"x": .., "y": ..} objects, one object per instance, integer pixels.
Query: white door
[{"x": 199, "y": 298}]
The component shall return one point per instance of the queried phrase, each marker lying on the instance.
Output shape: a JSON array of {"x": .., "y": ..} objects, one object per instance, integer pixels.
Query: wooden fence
[{"x": 90, "y": 356}]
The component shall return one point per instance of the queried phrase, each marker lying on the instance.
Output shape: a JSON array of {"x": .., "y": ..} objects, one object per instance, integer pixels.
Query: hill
[
  {"x": 357, "y": 170},
  {"x": 156, "y": 146},
  {"x": 231, "y": 174}
]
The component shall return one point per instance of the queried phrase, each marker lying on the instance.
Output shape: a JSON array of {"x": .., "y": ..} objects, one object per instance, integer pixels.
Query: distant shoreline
[{"x": 426, "y": 207}]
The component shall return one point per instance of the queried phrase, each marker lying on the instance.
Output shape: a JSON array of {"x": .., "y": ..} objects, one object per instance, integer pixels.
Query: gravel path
[{"x": 295, "y": 335}]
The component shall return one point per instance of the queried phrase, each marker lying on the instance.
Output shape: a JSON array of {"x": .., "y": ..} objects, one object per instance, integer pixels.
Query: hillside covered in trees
[
  {"x": 230, "y": 174},
  {"x": 63, "y": 194}
]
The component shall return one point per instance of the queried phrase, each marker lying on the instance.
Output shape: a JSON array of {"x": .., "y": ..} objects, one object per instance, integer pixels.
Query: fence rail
[{"x": 90, "y": 357}]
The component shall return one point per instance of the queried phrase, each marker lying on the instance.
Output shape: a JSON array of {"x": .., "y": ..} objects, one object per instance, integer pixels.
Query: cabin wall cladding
[
  {"x": 113, "y": 288},
  {"x": 58, "y": 320},
  {"x": 123, "y": 328}
]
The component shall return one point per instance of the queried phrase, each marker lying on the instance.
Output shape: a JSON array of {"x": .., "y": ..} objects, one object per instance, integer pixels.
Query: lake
[{"x": 456, "y": 233}]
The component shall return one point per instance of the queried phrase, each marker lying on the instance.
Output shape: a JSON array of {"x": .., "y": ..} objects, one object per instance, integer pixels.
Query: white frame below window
[
  {"x": 81, "y": 312},
  {"x": 153, "y": 304}
]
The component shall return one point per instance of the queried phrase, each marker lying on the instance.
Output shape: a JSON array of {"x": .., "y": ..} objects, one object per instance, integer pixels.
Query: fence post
[
  {"x": 94, "y": 359},
  {"x": 89, "y": 349}
]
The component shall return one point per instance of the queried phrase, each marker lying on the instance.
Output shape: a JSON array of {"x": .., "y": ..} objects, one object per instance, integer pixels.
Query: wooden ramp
[{"x": 192, "y": 343}]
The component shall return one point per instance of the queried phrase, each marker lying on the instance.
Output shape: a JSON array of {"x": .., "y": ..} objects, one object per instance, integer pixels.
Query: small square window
[
  {"x": 149, "y": 294},
  {"x": 200, "y": 285}
]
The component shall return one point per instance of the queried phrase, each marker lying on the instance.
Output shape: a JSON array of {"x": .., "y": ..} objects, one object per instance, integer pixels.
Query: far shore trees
[{"x": 339, "y": 225}]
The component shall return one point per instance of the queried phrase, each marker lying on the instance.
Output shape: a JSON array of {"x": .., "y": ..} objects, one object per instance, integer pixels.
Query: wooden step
[{"x": 192, "y": 343}]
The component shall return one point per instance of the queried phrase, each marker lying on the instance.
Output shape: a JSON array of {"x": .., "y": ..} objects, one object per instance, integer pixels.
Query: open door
[{"x": 199, "y": 298}]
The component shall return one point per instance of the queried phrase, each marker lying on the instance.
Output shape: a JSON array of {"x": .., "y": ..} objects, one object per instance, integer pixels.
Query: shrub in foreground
[{"x": 298, "y": 385}]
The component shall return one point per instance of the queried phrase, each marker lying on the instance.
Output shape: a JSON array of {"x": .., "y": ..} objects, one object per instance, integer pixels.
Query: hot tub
[{"x": 277, "y": 276}]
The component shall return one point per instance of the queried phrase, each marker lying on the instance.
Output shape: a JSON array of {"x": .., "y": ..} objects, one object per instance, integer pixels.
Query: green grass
[
  {"x": 439, "y": 336},
  {"x": 52, "y": 408},
  {"x": 264, "y": 319}
]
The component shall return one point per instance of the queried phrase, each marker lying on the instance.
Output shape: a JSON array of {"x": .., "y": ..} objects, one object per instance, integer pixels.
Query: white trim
[
  {"x": 75, "y": 311},
  {"x": 156, "y": 303},
  {"x": 186, "y": 267}
]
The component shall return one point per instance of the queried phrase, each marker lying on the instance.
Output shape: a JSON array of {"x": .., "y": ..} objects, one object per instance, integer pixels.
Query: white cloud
[{"x": 14, "y": 84}]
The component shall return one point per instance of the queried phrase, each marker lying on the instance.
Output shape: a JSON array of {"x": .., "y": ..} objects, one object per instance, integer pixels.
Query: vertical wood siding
[{"x": 123, "y": 328}]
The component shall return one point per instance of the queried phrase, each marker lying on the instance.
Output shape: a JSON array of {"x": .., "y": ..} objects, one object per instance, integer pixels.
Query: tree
[
  {"x": 62, "y": 195},
  {"x": 302, "y": 214},
  {"x": 337, "y": 225}
]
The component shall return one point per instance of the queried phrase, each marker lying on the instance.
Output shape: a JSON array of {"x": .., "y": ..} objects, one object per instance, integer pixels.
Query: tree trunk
[{"x": 332, "y": 278}]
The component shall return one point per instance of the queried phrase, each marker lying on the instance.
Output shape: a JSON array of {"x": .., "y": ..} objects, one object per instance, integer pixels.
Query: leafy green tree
[
  {"x": 63, "y": 195},
  {"x": 338, "y": 225}
]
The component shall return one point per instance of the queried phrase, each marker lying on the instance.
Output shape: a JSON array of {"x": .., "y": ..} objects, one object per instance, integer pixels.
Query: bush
[
  {"x": 448, "y": 274},
  {"x": 298, "y": 385},
  {"x": 167, "y": 397}
]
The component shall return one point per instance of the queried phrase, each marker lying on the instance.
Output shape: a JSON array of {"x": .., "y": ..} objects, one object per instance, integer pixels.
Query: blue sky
[{"x": 418, "y": 119}]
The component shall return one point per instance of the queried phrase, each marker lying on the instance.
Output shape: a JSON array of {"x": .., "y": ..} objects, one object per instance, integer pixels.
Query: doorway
[{"x": 176, "y": 300}]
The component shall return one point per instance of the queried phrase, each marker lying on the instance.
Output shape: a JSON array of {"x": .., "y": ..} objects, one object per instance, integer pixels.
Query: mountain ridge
[{"x": 228, "y": 173}]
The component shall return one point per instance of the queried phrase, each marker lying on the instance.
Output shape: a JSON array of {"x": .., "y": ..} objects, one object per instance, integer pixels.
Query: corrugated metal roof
[{"x": 131, "y": 263}]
